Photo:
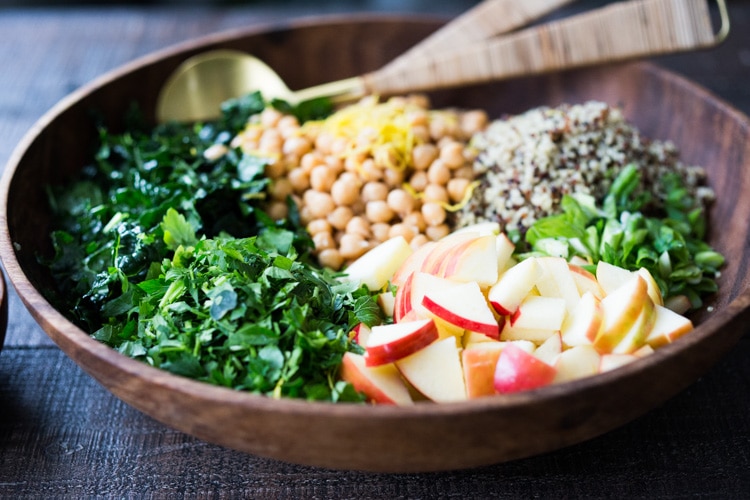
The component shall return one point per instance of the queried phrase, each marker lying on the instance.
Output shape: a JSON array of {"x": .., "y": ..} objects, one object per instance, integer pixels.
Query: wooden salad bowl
[{"x": 425, "y": 437}]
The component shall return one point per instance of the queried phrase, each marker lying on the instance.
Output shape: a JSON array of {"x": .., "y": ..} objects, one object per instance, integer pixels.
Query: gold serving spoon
[{"x": 620, "y": 31}]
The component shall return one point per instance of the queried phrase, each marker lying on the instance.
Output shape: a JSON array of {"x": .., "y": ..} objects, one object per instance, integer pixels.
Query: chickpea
[
  {"x": 331, "y": 258},
  {"x": 281, "y": 188},
  {"x": 275, "y": 169},
  {"x": 323, "y": 143},
  {"x": 415, "y": 220},
  {"x": 352, "y": 246},
  {"x": 340, "y": 217},
  {"x": 419, "y": 181},
  {"x": 400, "y": 202},
  {"x": 320, "y": 204},
  {"x": 374, "y": 191},
  {"x": 435, "y": 192},
  {"x": 339, "y": 145},
  {"x": 417, "y": 117},
  {"x": 310, "y": 160},
  {"x": 433, "y": 213},
  {"x": 287, "y": 121},
  {"x": 369, "y": 171},
  {"x": 438, "y": 173},
  {"x": 335, "y": 163},
  {"x": 452, "y": 155},
  {"x": 358, "y": 225},
  {"x": 322, "y": 178},
  {"x": 422, "y": 155},
  {"x": 277, "y": 210},
  {"x": 345, "y": 190},
  {"x": 393, "y": 177},
  {"x": 380, "y": 231},
  {"x": 269, "y": 117},
  {"x": 318, "y": 226},
  {"x": 270, "y": 142},
  {"x": 434, "y": 233},
  {"x": 419, "y": 100},
  {"x": 299, "y": 179},
  {"x": 421, "y": 133},
  {"x": 473, "y": 122},
  {"x": 457, "y": 189},
  {"x": 353, "y": 162},
  {"x": 323, "y": 240},
  {"x": 296, "y": 146},
  {"x": 418, "y": 241},
  {"x": 401, "y": 229},
  {"x": 378, "y": 211},
  {"x": 465, "y": 172}
]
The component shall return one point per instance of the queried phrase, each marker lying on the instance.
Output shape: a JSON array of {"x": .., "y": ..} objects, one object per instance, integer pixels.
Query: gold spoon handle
[{"x": 621, "y": 31}]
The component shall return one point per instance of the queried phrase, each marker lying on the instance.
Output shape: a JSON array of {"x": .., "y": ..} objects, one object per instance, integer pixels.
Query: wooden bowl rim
[{"x": 56, "y": 324}]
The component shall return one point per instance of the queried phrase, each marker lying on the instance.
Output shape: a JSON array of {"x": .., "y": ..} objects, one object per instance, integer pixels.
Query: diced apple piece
[
  {"x": 513, "y": 286},
  {"x": 479, "y": 362},
  {"x": 582, "y": 326},
  {"x": 402, "y": 303},
  {"x": 543, "y": 313},
  {"x": 480, "y": 228},
  {"x": 534, "y": 335},
  {"x": 361, "y": 333},
  {"x": 550, "y": 349},
  {"x": 517, "y": 370},
  {"x": 577, "y": 362},
  {"x": 610, "y": 276},
  {"x": 412, "y": 263},
  {"x": 644, "y": 350},
  {"x": 636, "y": 337},
  {"x": 611, "y": 361},
  {"x": 436, "y": 371},
  {"x": 376, "y": 267},
  {"x": 472, "y": 261},
  {"x": 381, "y": 384},
  {"x": 524, "y": 345},
  {"x": 621, "y": 309},
  {"x": 505, "y": 249},
  {"x": 586, "y": 281},
  {"x": 653, "y": 287},
  {"x": 391, "y": 342},
  {"x": 435, "y": 259},
  {"x": 463, "y": 306},
  {"x": 386, "y": 300},
  {"x": 470, "y": 338},
  {"x": 557, "y": 281},
  {"x": 668, "y": 326}
]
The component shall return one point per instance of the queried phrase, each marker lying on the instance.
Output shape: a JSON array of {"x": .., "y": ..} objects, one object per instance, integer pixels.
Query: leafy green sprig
[{"x": 623, "y": 231}]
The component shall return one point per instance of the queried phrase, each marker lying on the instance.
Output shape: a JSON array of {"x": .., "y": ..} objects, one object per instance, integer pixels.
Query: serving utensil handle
[{"x": 620, "y": 31}]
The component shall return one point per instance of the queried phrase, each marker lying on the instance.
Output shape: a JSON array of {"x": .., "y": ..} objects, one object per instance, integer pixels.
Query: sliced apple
[
  {"x": 464, "y": 306},
  {"x": 436, "y": 371},
  {"x": 621, "y": 309},
  {"x": 472, "y": 260},
  {"x": 533, "y": 335},
  {"x": 636, "y": 336},
  {"x": 557, "y": 281},
  {"x": 550, "y": 349},
  {"x": 653, "y": 287},
  {"x": 387, "y": 301},
  {"x": 586, "y": 281},
  {"x": 480, "y": 228},
  {"x": 582, "y": 326},
  {"x": 610, "y": 276},
  {"x": 668, "y": 326},
  {"x": 391, "y": 342},
  {"x": 435, "y": 259},
  {"x": 577, "y": 362},
  {"x": 361, "y": 333},
  {"x": 611, "y": 361},
  {"x": 470, "y": 338},
  {"x": 380, "y": 384},
  {"x": 513, "y": 286},
  {"x": 538, "y": 312},
  {"x": 518, "y": 370},
  {"x": 402, "y": 303},
  {"x": 412, "y": 263},
  {"x": 479, "y": 362},
  {"x": 376, "y": 267},
  {"x": 505, "y": 249}
]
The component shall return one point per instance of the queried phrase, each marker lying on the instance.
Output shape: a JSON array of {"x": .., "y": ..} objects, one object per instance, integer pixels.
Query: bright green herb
[
  {"x": 670, "y": 244},
  {"x": 168, "y": 258}
]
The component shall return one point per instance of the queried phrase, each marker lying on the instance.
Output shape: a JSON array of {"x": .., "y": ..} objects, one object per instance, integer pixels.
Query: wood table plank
[{"x": 64, "y": 436}]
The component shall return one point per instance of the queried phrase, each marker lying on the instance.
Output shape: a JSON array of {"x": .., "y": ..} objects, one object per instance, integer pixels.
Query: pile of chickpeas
[{"x": 353, "y": 195}]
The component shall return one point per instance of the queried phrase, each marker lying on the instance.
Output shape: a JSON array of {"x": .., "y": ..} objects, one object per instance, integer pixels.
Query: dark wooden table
[{"x": 62, "y": 435}]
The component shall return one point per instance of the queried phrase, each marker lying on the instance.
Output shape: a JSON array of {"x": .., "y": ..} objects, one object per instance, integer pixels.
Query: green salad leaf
[{"x": 670, "y": 244}]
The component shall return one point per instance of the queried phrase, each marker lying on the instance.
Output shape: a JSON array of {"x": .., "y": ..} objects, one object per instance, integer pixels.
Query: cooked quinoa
[{"x": 526, "y": 163}]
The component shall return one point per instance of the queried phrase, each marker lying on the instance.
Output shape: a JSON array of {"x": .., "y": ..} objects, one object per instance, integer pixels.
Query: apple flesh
[
  {"x": 391, "y": 342},
  {"x": 557, "y": 281},
  {"x": 577, "y": 362},
  {"x": 436, "y": 371},
  {"x": 513, "y": 286},
  {"x": 479, "y": 361},
  {"x": 668, "y": 326},
  {"x": 518, "y": 370},
  {"x": 380, "y": 384},
  {"x": 464, "y": 306},
  {"x": 412, "y": 263},
  {"x": 621, "y": 310},
  {"x": 582, "y": 326},
  {"x": 586, "y": 281},
  {"x": 545, "y": 313},
  {"x": 550, "y": 349},
  {"x": 377, "y": 266}
]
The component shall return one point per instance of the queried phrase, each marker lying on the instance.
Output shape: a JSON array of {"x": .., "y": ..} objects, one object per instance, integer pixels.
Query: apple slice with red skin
[
  {"x": 550, "y": 349},
  {"x": 479, "y": 361},
  {"x": 391, "y": 342},
  {"x": 412, "y": 263},
  {"x": 472, "y": 260},
  {"x": 380, "y": 384},
  {"x": 504, "y": 248},
  {"x": 586, "y": 281},
  {"x": 464, "y": 306},
  {"x": 360, "y": 334},
  {"x": 582, "y": 326},
  {"x": 668, "y": 326},
  {"x": 436, "y": 371},
  {"x": 518, "y": 370},
  {"x": 513, "y": 286},
  {"x": 436, "y": 258},
  {"x": 636, "y": 336},
  {"x": 621, "y": 310}
]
